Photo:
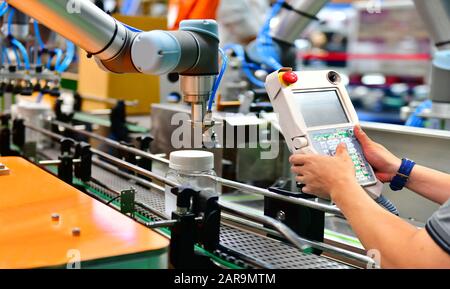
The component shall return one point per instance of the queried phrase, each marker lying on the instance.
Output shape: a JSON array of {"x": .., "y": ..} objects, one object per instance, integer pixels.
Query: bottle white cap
[{"x": 191, "y": 160}]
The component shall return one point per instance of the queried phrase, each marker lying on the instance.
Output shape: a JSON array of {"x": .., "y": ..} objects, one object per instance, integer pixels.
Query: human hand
[
  {"x": 324, "y": 176},
  {"x": 384, "y": 163}
]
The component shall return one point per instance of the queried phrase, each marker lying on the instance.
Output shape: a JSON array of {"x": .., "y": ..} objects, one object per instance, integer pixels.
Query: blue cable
[
  {"x": 387, "y": 204},
  {"x": 10, "y": 19},
  {"x": 131, "y": 27},
  {"x": 39, "y": 97},
  {"x": 38, "y": 35},
  {"x": 23, "y": 51},
  {"x": 49, "y": 62},
  {"x": 3, "y": 9},
  {"x": 246, "y": 67},
  {"x": 5, "y": 56},
  {"x": 16, "y": 54},
  {"x": 41, "y": 43},
  {"x": 219, "y": 79},
  {"x": 70, "y": 54},
  {"x": 265, "y": 41},
  {"x": 17, "y": 44},
  {"x": 414, "y": 119},
  {"x": 58, "y": 55}
]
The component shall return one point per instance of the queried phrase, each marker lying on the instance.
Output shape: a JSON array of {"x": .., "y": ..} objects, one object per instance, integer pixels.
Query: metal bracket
[
  {"x": 127, "y": 201},
  {"x": 188, "y": 231},
  {"x": 3, "y": 170},
  {"x": 306, "y": 222}
]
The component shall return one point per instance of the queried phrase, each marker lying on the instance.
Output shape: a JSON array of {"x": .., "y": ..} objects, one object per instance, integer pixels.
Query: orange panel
[
  {"x": 191, "y": 9},
  {"x": 29, "y": 238}
]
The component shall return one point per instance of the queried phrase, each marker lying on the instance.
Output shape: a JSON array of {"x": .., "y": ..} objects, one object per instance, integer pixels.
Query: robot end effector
[{"x": 192, "y": 51}]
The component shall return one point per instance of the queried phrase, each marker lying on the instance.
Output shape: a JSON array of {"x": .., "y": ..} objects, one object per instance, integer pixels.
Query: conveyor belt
[{"x": 269, "y": 251}]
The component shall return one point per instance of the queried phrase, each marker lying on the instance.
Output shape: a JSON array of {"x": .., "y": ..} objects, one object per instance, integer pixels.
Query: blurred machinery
[
  {"x": 375, "y": 75},
  {"x": 30, "y": 66}
]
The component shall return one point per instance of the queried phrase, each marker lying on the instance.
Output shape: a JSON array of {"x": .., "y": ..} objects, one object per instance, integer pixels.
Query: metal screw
[
  {"x": 76, "y": 232},
  {"x": 281, "y": 216},
  {"x": 55, "y": 217}
]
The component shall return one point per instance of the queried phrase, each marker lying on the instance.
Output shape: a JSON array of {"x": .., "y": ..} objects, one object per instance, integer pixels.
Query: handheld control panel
[{"x": 315, "y": 114}]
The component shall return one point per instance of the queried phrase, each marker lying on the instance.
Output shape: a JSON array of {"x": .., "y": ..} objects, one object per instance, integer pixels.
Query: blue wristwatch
[{"x": 402, "y": 176}]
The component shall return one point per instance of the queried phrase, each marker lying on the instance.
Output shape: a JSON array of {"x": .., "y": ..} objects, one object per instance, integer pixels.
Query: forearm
[
  {"x": 378, "y": 229},
  {"x": 429, "y": 183}
]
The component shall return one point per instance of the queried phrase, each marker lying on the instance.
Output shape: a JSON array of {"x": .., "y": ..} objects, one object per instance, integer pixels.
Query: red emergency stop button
[{"x": 290, "y": 77}]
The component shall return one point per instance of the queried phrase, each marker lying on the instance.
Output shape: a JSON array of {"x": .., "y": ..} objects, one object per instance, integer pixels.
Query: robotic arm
[
  {"x": 436, "y": 15},
  {"x": 192, "y": 51}
]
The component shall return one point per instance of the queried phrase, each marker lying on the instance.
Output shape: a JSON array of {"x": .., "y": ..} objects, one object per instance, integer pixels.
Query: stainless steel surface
[
  {"x": 290, "y": 24},
  {"x": 440, "y": 85},
  {"x": 263, "y": 192},
  {"x": 117, "y": 171},
  {"x": 134, "y": 168},
  {"x": 55, "y": 162},
  {"x": 297, "y": 241},
  {"x": 277, "y": 254},
  {"x": 43, "y": 131},
  {"x": 113, "y": 143},
  {"x": 442, "y": 108},
  {"x": 284, "y": 230},
  {"x": 436, "y": 15},
  {"x": 80, "y": 21},
  {"x": 197, "y": 88},
  {"x": 198, "y": 112},
  {"x": 197, "y": 91},
  {"x": 427, "y": 147},
  {"x": 161, "y": 224},
  {"x": 165, "y": 119}
]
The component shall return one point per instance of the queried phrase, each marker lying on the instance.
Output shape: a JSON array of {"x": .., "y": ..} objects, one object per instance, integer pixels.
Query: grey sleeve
[{"x": 438, "y": 227}]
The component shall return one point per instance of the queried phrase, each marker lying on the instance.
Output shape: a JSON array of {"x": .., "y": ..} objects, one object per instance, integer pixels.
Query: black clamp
[
  {"x": 188, "y": 231},
  {"x": 128, "y": 156},
  {"x": 118, "y": 116},
  {"x": 307, "y": 222},
  {"x": 77, "y": 102},
  {"x": 65, "y": 168},
  {"x": 5, "y": 135},
  {"x": 83, "y": 168},
  {"x": 18, "y": 132},
  {"x": 144, "y": 143},
  {"x": 59, "y": 114}
]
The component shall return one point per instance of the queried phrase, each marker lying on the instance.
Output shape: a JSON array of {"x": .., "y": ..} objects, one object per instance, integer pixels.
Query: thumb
[
  {"x": 362, "y": 137},
  {"x": 341, "y": 150}
]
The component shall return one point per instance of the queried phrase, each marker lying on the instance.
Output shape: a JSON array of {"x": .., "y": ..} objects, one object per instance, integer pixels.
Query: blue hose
[
  {"x": 23, "y": 51},
  {"x": 388, "y": 205},
  {"x": 58, "y": 54},
  {"x": 5, "y": 56},
  {"x": 219, "y": 79},
  {"x": 38, "y": 35},
  {"x": 10, "y": 19},
  {"x": 131, "y": 28},
  {"x": 39, "y": 97},
  {"x": 16, "y": 54},
  {"x": 246, "y": 67},
  {"x": 70, "y": 54},
  {"x": 3, "y": 8},
  {"x": 414, "y": 119},
  {"x": 265, "y": 43},
  {"x": 17, "y": 44}
]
